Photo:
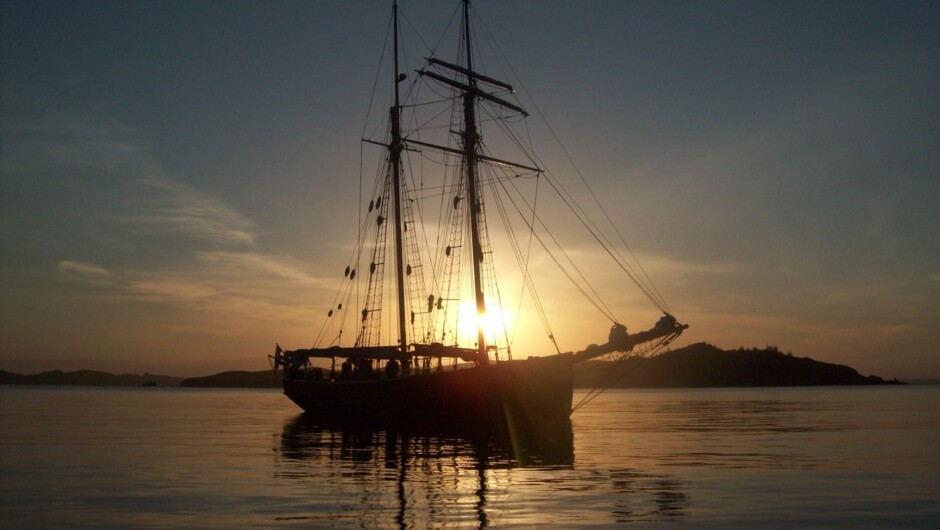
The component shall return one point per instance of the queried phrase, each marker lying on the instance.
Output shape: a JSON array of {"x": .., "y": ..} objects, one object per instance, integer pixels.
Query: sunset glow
[
  {"x": 496, "y": 323},
  {"x": 774, "y": 172}
]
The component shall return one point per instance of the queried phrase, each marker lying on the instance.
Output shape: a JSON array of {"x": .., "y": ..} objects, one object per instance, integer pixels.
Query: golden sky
[{"x": 180, "y": 180}]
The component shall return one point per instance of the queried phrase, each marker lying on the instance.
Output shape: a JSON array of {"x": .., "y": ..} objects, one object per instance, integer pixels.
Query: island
[
  {"x": 703, "y": 365},
  {"x": 700, "y": 365}
]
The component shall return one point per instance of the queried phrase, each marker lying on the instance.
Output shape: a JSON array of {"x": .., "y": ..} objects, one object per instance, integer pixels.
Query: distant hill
[
  {"x": 237, "y": 379},
  {"x": 697, "y": 365},
  {"x": 87, "y": 378},
  {"x": 705, "y": 365}
]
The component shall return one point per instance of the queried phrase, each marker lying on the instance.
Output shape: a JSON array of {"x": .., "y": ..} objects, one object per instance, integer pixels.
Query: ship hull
[{"x": 522, "y": 394}]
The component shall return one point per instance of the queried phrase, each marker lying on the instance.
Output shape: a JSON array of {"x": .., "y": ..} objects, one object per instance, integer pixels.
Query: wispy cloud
[
  {"x": 84, "y": 272},
  {"x": 218, "y": 286},
  {"x": 55, "y": 140},
  {"x": 216, "y": 275},
  {"x": 275, "y": 266},
  {"x": 174, "y": 206},
  {"x": 667, "y": 266}
]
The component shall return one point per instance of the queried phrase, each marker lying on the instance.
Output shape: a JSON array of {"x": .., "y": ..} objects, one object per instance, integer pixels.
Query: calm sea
[{"x": 742, "y": 458}]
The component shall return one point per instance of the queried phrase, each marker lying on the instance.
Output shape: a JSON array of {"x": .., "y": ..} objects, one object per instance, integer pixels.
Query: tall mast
[
  {"x": 395, "y": 149},
  {"x": 470, "y": 141}
]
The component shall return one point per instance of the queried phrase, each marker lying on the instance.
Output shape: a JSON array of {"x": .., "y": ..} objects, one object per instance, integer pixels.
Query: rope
[{"x": 613, "y": 374}]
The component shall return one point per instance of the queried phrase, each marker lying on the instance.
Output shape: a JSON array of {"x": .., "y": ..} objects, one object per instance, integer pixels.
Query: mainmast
[
  {"x": 394, "y": 151},
  {"x": 470, "y": 141},
  {"x": 470, "y": 152}
]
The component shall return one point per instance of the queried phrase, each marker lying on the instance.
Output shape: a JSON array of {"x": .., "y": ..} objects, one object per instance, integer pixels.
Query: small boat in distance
[{"x": 431, "y": 371}]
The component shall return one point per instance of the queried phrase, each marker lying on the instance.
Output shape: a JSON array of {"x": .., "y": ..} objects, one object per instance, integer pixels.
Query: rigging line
[
  {"x": 599, "y": 299},
  {"x": 416, "y": 284},
  {"x": 613, "y": 375},
  {"x": 595, "y": 230},
  {"x": 661, "y": 302},
  {"x": 425, "y": 126},
  {"x": 607, "y": 244},
  {"x": 489, "y": 272},
  {"x": 437, "y": 191},
  {"x": 433, "y": 160},
  {"x": 375, "y": 233},
  {"x": 528, "y": 252},
  {"x": 523, "y": 148},
  {"x": 417, "y": 132},
  {"x": 534, "y": 209},
  {"x": 444, "y": 216},
  {"x": 353, "y": 259},
  {"x": 515, "y": 138},
  {"x": 339, "y": 294},
  {"x": 523, "y": 268},
  {"x": 343, "y": 294},
  {"x": 647, "y": 286},
  {"x": 595, "y": 302},
  {"x": 365, "y": 124},
  {"x": 339, "y": 316},
  {"x": 378, "y": 72},
  {"x": 371, "y": 330},
  {"x": 508, "y": 227},
  {"x": 450, "y": 22},
  {"x": 437, "y": 91},
  {"x": 535, "y": 198},
  {"x": 424, "y": 234},
  {"x": 453, "y": 182},
  {"x": 449, "y": 220},
  {"x": 636, "y": 281},
  {"x": 642, "y": 281},
  {"x": 425, "y": 103},
  {"x": 536, "y": 301},
  {"x": 497, "y": 52},
  {"x": 491, "y": 117},
  {"x": 480, "y": 28},
  {"x": 380, "y": 182}
]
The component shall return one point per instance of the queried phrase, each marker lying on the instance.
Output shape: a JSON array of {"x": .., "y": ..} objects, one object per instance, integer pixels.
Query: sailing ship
[{"x": 431, "y": 372}]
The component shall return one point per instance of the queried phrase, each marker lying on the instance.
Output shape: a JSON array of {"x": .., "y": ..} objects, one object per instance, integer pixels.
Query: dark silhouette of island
[
  {"x": 704, "y": 365},
  {"x": 236, "y": 379},
  {"x": 694, "y": 366},
  {"x": 88, "y": 378}
]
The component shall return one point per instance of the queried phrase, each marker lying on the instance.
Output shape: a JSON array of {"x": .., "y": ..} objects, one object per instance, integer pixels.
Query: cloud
[
  {"x": 228, "y": 287},
  {"x": 278, "y": 266},
  {"x": 176, "y": 207},
  {"x": 210, "y": 287},
  {"x": 157, "y": 240},
  {"x": 91, "y": 161},
  {"x": 85, "y": 272},
  {"x": 672, "y": 267},
  {"x": 47, "y": 140},
  {"x": 169, "y": 288}
]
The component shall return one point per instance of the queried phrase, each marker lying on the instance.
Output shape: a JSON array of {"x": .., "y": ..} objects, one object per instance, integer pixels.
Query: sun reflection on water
[{"x": 406, "y": 479}]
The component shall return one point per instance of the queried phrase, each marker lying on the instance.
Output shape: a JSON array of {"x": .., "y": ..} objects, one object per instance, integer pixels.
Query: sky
[{"x": 179, "y": 180}]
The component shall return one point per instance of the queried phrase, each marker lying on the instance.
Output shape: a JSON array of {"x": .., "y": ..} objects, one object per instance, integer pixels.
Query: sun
[{"x": 495, "y": 323}]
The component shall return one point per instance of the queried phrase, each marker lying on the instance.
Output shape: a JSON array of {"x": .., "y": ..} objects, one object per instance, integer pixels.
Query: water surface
[{"x": 735, "y": 458}]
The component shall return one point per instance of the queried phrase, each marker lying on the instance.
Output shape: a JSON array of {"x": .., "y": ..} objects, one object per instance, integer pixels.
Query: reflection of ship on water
[
  {"x": 443, "y": 474},
  {"x": 306, "y": 438},
  {"x": 406, "y": 478}
]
